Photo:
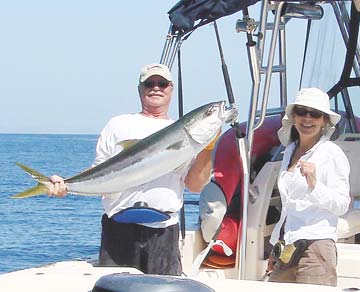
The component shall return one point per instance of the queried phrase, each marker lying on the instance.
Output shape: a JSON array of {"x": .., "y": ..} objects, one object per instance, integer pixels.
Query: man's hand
[{"x": 59, "y": 188}]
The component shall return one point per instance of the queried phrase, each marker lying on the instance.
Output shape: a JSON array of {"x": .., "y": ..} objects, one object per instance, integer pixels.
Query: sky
[{"x": 69, "y": 66}]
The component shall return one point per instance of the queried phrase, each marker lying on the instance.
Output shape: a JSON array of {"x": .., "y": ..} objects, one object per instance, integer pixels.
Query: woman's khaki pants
[{"x": 316, "y": 266}]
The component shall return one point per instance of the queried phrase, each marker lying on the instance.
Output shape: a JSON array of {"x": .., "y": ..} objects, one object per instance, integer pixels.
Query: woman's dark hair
[
  {"x": 294, "y": 134},
  {"x": 327, "y": 118}
]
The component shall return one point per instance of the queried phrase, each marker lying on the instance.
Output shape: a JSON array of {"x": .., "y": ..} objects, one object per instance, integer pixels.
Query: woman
[{"x": 314, "y": 189}]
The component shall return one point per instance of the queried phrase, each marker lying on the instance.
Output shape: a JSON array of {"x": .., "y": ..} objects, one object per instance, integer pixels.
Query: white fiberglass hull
[{"x": 76, "y": 276}]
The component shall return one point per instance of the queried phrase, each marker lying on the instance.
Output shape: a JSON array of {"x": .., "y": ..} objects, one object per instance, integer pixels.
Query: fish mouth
[{"x": 229, "y": 113}]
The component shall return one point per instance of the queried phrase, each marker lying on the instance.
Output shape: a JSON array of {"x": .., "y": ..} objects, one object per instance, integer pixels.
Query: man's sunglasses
[
  {"x": 152, "y": 84},
  {"x": 303, "y": 111}
]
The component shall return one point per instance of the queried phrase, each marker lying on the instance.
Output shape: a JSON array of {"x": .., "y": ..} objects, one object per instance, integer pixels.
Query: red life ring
[{"x": 228, "y": 172}]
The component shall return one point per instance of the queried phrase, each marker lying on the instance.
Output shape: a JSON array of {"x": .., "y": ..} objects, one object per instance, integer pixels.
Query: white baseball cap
[{"x": 155, "y": 69}]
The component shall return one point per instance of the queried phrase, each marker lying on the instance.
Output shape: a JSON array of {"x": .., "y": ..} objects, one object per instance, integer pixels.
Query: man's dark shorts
[{"x": 150, "y": 250}]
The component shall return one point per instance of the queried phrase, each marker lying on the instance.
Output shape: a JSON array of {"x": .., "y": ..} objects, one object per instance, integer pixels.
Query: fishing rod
[
  {"x": 229, "y": 91},
  {"x": 243, "y": 153},
  {"x": 224, "y": 68}
]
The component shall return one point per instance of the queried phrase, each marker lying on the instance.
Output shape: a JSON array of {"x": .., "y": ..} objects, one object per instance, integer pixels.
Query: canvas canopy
[{"x": 187, "y": 15}]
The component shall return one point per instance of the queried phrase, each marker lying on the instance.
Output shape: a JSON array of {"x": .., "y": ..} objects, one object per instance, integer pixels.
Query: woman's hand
[
  {"x": 270, "y": 265},
  {"x": 308, "y": 169}
]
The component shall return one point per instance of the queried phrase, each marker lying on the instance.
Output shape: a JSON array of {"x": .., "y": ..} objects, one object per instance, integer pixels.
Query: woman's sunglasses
[
  {"x": 303, "y": 111},
  {"x": 152, "y": 84}
]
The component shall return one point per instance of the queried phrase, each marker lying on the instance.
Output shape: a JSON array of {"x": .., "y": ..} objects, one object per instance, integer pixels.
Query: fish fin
[
  {"x": 176, "y": 146},
  {"x": 37, "y": 190},
  {"x": 33, "y": 173},
  {"x": 127, "y": 143}
]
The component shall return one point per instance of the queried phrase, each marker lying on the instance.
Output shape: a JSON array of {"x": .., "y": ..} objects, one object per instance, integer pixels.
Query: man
[{"x": 151, "y": 247}]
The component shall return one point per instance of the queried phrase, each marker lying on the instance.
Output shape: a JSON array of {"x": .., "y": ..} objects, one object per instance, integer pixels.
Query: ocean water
[{"x": 40, "y": 230}]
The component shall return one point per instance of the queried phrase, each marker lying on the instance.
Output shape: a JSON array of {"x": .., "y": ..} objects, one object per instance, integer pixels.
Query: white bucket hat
[{"x": 309, "y": 97}]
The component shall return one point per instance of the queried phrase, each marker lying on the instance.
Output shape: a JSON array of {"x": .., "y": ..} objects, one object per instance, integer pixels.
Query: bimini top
[{"x": 185, "y": 13}]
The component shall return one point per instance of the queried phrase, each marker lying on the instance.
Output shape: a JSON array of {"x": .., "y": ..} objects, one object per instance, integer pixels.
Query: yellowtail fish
[{"x": 147, "y": 159}]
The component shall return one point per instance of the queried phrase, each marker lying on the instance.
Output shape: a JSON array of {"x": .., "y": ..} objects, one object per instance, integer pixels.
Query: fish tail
[
  {"x": 34, "y": 191},
  {"x": 33, "y": 173}
]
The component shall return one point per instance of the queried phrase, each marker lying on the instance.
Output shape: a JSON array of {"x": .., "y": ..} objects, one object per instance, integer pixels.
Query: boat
[{"x": 231, "y": 253}]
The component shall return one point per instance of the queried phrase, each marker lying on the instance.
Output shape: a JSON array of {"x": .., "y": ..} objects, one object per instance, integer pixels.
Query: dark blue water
[{"x": 40, "y": 230}]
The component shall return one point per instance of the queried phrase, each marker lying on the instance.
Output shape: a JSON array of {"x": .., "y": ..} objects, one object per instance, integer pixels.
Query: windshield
[{"x": 326, "y": 54}]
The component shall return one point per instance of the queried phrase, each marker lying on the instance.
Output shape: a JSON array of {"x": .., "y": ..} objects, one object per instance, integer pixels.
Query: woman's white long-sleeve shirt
[{"x": 313, "y": 213}]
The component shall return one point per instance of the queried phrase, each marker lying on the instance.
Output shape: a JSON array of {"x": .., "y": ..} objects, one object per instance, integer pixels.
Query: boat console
[{"x": 123, "y": 282}]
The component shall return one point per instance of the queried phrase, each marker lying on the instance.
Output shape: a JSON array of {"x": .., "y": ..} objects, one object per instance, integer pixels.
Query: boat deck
[{"x": 80, "y": 276}]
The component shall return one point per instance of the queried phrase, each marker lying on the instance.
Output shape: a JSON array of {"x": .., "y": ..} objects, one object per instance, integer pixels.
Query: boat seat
[{"x": 349, "y": 224}]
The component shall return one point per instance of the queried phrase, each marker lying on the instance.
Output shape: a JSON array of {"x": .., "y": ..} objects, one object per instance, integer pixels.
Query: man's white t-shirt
[{"x": 164, "y": 193}]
